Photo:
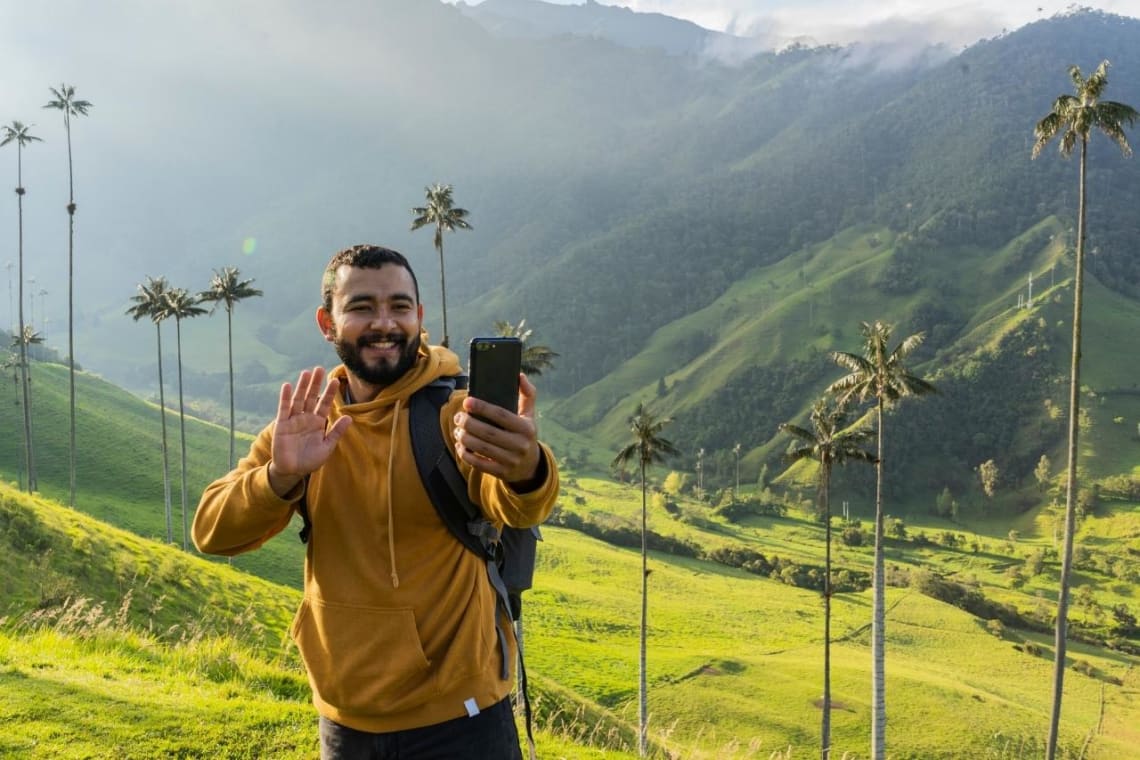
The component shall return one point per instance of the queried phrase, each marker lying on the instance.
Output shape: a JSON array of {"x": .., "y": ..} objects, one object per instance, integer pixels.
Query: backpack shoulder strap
[
  {"x": 447, "y": 489},
  {"x": 438, "y": 471}
]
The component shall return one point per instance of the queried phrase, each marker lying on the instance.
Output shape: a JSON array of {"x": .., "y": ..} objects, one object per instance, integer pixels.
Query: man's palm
[{"x": 302, "y": 439}]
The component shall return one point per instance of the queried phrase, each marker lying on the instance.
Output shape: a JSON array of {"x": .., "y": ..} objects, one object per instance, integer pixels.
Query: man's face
[{"x": 375, "y": 322}]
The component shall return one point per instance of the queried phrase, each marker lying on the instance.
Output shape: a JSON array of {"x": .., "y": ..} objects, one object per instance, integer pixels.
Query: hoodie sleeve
[
  {"x": 240, "y": 511},
  {"x": 499, "y": 502}
]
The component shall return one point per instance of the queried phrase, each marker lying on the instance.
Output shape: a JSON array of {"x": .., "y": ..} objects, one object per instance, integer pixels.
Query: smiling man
[{"x": 398, "y": 625}]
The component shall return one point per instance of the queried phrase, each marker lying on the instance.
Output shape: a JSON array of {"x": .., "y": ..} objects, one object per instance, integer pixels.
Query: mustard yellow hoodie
[{"x": 397, "y": 624}]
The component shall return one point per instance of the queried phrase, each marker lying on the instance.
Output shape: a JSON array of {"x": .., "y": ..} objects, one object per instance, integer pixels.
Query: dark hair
[{"x": 364, "y": 256}]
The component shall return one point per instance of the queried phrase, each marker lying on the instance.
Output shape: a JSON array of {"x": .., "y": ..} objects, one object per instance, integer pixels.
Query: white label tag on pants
[{"x": 472, "y": 707}]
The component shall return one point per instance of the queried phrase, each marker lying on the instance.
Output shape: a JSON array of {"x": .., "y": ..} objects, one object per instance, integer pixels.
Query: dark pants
[{"x": 490, "y": 735}]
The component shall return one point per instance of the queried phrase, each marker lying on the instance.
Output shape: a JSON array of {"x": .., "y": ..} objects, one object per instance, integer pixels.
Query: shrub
[
  {"x": 1125, "y": 487},
  {"x": 735, "y": 511},
  {"x": 1085, "y": 667},
  {"x": 742, "y": 557}
]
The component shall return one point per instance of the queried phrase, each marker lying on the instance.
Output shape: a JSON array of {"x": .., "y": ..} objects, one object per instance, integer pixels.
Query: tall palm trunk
[
  {"x": 878, "y": 615},
  {"x": 230, "y": 343},
  {"x": 443, "y": 289},
  {"x": 182, "y": 434},
  {"x": 642, "y": 685},
  {"x": 165, "y": 457},
  {"x": 1071, "y": 491},
  {"x": 825, "y": 724},
  {"x": 25, "y": 386},
  {"x": 70, "y": 304}
]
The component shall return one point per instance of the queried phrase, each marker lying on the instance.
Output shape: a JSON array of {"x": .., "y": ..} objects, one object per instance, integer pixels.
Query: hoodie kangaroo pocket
[{"x": 363, "y": 660}]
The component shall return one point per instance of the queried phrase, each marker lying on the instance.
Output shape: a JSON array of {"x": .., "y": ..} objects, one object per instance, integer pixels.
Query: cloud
[{"x": 776, "y": 23}]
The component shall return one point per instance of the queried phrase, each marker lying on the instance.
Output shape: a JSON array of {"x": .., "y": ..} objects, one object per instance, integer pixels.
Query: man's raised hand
[{"x": 302, "y": 439}]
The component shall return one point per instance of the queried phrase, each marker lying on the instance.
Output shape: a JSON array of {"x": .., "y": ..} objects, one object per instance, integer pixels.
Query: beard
[{"x": 384, "y": 372}]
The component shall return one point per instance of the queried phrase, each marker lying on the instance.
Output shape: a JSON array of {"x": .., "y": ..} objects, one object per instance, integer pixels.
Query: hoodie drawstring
[{"x": 391, "y": 504}]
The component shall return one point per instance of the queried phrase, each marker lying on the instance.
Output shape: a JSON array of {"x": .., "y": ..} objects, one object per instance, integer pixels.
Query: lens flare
[{"x": 248, "y": 246}]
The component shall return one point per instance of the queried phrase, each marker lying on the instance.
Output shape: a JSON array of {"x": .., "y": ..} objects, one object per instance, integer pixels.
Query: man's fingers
[
  {"x": 324, "y": 404},
  {"x": 527, "y": 396},
  {"x": 313, "y": 391},
  {"x": 333, "y": 434},
  {"x": 484, "y": 456},
  {"x": 307, "y": 393},
  {"x": 284, "y": 402},
  {"x": 304, "y": 380}
]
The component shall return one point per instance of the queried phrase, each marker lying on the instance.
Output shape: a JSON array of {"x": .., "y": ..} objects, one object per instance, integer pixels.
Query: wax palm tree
[
  {"x": 18, "y": 133},
  {"x": 65, "y": 101},
  {"x": 28, "y": 338},
  {"x": 440, "y": 212},
  {"x": 878, "y": 373},
  {"x": 646, "y": 448},
  {"x": 227, "y": 288},
  {"x": 829, "y": 443},
  {"x": 181, "y": 305},
  {"x": 24, "y": 342},
  {"x": 150, "y": 302},
  {"x": 534, "y": 358},
  {"x": 1074, "y": 117}
]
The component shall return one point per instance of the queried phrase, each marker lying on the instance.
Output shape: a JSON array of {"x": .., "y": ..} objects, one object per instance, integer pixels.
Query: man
[{"x": 397, "y": 626}]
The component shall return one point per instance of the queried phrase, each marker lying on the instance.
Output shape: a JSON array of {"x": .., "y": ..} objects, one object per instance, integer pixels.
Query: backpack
[{"x": 509, "y": 554}]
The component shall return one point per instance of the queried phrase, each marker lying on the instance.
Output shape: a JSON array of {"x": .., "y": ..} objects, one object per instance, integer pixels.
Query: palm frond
[
  {"x": 149, "y": 301},
  {"x": 181, "y": 305},
  {"x": 907, "y": 346},
  {"x": 65, "y": 101},
  {"x": 18, "y": 131},
  {"x": 647, "y": 446},
  {"x": 1073, "y": 117},
  {"x": 795, "y": 430},
  {"x": 227, "y": 287}
]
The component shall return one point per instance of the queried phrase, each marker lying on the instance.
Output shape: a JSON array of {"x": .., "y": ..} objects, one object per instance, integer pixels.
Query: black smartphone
[{"x": 494, "y": 364}]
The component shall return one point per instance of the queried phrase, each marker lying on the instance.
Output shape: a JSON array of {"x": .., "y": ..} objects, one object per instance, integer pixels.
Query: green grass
[
  {"x": 123, "y": 695},
  {"x": 119, "y": 460},
  {"x": 734, "y": 658}
]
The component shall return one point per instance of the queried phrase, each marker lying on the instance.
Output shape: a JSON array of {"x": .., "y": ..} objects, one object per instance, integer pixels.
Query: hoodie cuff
[{"x": 541, "y": 473}]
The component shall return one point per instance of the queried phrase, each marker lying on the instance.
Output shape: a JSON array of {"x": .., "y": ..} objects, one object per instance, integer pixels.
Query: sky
[{"x": 951, "y": 22}]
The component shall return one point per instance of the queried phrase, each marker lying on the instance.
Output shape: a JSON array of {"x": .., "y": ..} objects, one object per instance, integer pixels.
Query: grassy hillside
[
  {"x": 734, "y": 655},
  {"x": 812, "y": 302},
  {"x": 113, "y": 646},
  {"x": 119, "y": 461},
  {"x": 194, "y": 652}
]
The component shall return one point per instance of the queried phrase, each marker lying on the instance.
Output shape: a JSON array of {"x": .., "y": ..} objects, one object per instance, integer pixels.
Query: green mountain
[{"x": 681, "y": 227}]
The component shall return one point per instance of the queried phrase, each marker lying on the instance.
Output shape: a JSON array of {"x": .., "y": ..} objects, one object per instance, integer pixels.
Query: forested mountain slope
[{"x": 655, "y": 218}]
